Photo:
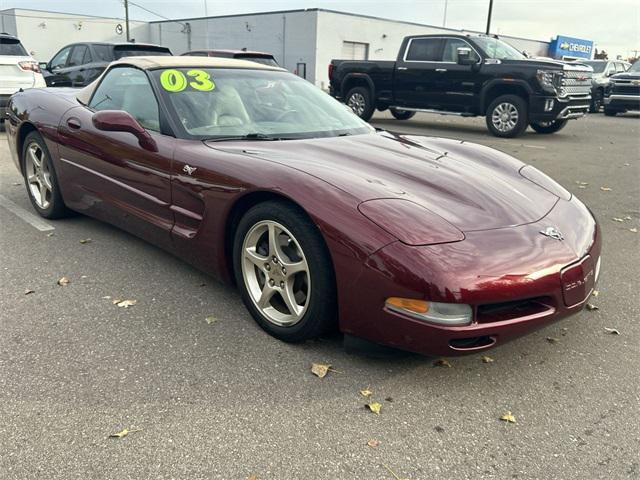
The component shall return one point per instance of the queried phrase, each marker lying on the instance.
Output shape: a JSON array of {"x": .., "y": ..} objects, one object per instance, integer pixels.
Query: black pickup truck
[{"x": 467, "y": 75}]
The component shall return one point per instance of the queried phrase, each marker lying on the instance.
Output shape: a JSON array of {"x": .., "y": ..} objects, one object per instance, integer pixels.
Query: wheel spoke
[
  {"x": 43, "y": 194},
  {"x": 290, "y": 299},
  {"x": 274, "y": 248},
  {"x": 258, "y": 260},
  {"x": 294, "y": 267},
  {"x": 265, "y": 296},
  {"x": 34, "y": 157},
  {"x": 31, "y": 178}
]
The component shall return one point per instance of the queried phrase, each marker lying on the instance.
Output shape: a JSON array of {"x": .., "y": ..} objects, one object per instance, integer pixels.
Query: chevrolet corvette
[{"x": 431, "y": 245}]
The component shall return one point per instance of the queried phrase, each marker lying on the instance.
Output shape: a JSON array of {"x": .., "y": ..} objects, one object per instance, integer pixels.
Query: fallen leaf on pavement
[
  {"x": 253, "y": 477},
  {"x": 627, "y": 217},
  {"x": 605, "y": 189},
  {"x": 375, "y": 407},
  {"x": 508, "y": 417},
  {"x": 50, "y": 234},
  {"x": 634, "y": 230},
  {"x": 28, "y": 291},
  {"x": 595, "y": 293},
  {"x": 210, "y": 319},
  {"x": 16, "y": 184},
  {"x": 374, "y": 443},
  {"x": 64, "y": 281},
  {"x": 583, "y": 184},
  {"x": 563, "y": 331},
  {"x": 612, "y": 331},
  {"x": 126, "y": 303},
  {"x": 617, "y": 219},
  {"x": 442, "y": 363},
  {"x": 365, "y": 392},
  {"x": 124, "y": 433},
  {"x": 552, "y": 340},
  {"x": 388, "y": 399},
  {"x": 320, "y": 369},
  {"x": 85, "y": 240},
  {"x": 486, "y": 359},
  {"x": 591, "y": 307}
]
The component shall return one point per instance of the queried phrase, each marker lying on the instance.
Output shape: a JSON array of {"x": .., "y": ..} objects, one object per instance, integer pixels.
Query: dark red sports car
[{"x": 431, "y": 245}]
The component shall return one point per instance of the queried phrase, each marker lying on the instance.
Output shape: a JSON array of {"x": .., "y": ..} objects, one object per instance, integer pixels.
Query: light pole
[
  {"x": 489, "y": 16},
  {"x": 206, "y": 24},
  {"x": 126, "y": 18},
  {"x": 444, "y": 18}
]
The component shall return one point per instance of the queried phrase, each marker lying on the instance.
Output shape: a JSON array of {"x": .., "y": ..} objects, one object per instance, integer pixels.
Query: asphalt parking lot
[{"x": 223, "y": 400}]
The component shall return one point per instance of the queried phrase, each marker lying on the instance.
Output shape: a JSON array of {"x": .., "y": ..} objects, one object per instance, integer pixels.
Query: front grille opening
[
  {"x": 500, "y": 312},
  {"x": 472, "y": 343}
]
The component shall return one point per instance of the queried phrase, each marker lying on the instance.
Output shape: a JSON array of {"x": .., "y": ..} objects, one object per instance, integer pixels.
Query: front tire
[
  {"x": 284, "y": 272},
  {"x": 597, "y": 100},
  {"x": 610, "y": 112},
  {"x": 507, "y": 116},
  {"x": 360, "y": 100},
  {"x": 401, "y": 114},
  {"x": 549, "y": 127},
  {"x": 40, "y": 178}
]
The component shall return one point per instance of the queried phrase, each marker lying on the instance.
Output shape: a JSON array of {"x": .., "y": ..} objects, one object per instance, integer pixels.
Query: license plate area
[{"x": 578, "y": 281}]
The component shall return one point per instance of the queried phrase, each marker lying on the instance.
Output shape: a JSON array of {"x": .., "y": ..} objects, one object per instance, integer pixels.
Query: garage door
[{"x": 355, "y": 51}]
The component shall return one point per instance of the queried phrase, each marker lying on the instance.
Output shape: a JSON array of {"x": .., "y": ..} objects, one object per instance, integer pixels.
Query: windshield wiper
[{"x": 248, "y": 136}]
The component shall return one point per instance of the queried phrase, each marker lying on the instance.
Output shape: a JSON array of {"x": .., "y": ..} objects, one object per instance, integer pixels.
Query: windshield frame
[
  {"x": 181, "y": 132},
  {"x": 482, "y": 42}
]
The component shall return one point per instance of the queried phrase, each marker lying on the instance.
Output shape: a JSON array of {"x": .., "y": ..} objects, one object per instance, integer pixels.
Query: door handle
[
  {"x": 401, "y": 68},
  {"x": 441, "y": 70},
  {"x": 73, "y": 123}
]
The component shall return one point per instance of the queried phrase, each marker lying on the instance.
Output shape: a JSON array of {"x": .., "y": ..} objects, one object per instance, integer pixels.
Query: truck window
[
  {"x": 451, "y": 46},
  {"x": 424, "y": 50}
]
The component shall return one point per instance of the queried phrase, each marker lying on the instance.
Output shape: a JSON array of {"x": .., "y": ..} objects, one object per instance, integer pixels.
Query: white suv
[{"x": 17, "y": 70}]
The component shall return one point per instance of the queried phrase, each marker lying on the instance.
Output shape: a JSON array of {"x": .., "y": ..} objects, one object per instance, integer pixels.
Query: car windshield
[
  {"x": 496, "y": 48},
  {"x": 263, "y": 60},
  {"x": 598, "y": 67},
  {"x": 11, "y": 46},
  {"x": 258, "y": 104},
  {"x": 139, "y": 52},
  {"x": 635, "y": 67}
]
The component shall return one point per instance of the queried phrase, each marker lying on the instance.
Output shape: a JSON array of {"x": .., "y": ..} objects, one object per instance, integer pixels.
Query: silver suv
[
  {"x": 602, "y": 70},
  {"x": 18, "y": 70}
]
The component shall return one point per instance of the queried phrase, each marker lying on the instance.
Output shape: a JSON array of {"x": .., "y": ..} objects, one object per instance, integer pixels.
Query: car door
[
  {"x": 457, "y": 87},
  {"x": 114, "y": 177},
  {"x": 54, "y": 75},
  {"x": 78, "y": 64},
  {"x": 416, "y": 72}
]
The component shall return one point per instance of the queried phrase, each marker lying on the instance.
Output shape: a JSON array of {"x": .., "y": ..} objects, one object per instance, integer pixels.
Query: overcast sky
[{"x": 613, "y": 24}]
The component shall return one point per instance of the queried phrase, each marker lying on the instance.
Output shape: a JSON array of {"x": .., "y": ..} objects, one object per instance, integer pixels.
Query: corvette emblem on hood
[{"x": 552, "y": 232}]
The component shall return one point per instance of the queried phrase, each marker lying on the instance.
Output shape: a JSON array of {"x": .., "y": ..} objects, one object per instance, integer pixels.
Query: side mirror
[
  {"x": 464, "y": 56},
  {"x": 43, "y": 65},
  {"x": 121, "y": 121}
]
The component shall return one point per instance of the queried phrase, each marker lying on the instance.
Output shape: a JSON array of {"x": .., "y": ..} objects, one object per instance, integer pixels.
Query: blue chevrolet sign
[{"x": 570, "y": 47}]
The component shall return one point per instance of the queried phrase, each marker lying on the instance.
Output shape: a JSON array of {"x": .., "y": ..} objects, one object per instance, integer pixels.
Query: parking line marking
[{"x": 28, "y": 217}]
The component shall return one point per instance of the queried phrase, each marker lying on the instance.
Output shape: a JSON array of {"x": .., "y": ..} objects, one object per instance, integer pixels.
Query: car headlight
[
  {"x": 450, "y": 314},
  {"x": 550, "y": 80},
  {"x": 543, "y": 180},
  {"x": 409, "y": 222}
]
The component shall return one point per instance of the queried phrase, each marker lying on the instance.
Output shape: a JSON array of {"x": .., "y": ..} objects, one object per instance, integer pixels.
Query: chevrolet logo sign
[
  {"x": 564, "y": 45},
  {"x": 635, "y": 82}
]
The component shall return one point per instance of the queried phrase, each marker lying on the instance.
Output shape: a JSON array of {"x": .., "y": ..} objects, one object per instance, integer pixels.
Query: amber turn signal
[{"x": 412, "y": 305}]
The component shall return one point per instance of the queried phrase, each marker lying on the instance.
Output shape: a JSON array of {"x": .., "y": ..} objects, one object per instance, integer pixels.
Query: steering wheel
[{"x": 284, "y": 114}]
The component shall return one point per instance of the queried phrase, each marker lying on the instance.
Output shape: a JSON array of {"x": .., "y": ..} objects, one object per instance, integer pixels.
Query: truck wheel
[
  {"x": 359, "y": 100},
  {"x": 401, "y": 114},
  {"x": 596, "y": 101},
  {"x": 507, "y": 116},
  {"x": 609, "y": 112},
  {"x": 549, "y": 127}
]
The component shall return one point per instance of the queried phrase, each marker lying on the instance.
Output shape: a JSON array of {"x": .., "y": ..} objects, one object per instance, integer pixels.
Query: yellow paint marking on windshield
[
  {"x": 202, "y": 80},
  {"x": 174, "y": 81}
]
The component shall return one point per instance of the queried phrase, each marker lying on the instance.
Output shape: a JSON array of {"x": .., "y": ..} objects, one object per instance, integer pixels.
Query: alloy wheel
[
  {"x": 504, "y": 117},
  {"x": 38, "y": 174},
  {"x": 276, "y": 273},
  {"x": 357, "y": 103}
]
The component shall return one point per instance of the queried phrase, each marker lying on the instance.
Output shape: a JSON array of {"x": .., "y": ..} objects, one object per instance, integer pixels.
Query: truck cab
[{"x": 466, "y": 75}]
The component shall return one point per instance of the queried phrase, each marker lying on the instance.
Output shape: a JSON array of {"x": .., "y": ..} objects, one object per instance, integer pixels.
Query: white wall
[
  {"x": 44, "y": 33},
  {"x": 289, "y": 36}
]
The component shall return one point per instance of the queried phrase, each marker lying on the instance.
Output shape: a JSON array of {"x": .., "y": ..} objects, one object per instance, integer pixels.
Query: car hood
[
  {"x": 626, "y": 76},
  {"x": 471, "y": 186}
]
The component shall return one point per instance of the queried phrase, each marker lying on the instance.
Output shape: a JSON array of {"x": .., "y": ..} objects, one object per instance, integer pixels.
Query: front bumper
[
  {"x": 622, "y": 102},
  {"x": 515, "y": 279},
  {"x": 544, "y": 108}
]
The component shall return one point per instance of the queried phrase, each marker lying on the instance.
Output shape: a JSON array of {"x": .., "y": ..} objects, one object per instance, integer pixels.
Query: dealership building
[{"x": 302, "y": 41}]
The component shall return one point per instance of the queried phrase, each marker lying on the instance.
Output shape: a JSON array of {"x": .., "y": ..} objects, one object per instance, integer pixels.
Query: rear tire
[
  {"x": 399, "y": 114},
  {"x": 40, "y": 178},
  {"x": 284, "y": 272},
  {"x": 360, "y": 101},
  {"x": 549, "y": 127},
  {"x": 507, "y": 116}
]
